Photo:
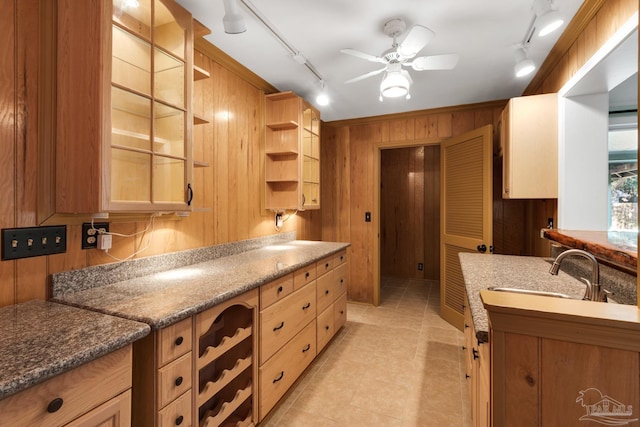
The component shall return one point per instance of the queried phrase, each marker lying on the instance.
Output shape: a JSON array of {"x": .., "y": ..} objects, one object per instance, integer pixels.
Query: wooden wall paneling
[
  {"x": 432, "y": 212},
  {"x": 7, "y": 140},
  {"x": 445, "y": 125},
  {"x": 329, "y": 178},
  {"x": 418, "y": 204},
  {"x": 361, "y": 201},
  {"x": 221, "y": 155},
  {"x": 74, "y": 258},
  {"x": 31, "y": 272},
  {"x": 462, "y": 121}
]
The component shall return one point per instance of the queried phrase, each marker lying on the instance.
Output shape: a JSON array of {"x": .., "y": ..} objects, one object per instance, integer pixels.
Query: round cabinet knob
[
  {"x": 55, "y": 405},
  {"x": 179, "y": 420},
  {"x": 280, "y": 289},
  {"x": 179, "y": 381},
  {"x": 179, "y": 340},
  {"x": 326, "y": 292},
  {"x": 306, "y": 275}
]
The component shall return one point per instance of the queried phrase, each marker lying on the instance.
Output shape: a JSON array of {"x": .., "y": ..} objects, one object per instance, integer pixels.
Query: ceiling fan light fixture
[
  {"x": 395, "y": 84},
  {"x": 232, "y": 21},
  {"x": 524, "y": 66}
]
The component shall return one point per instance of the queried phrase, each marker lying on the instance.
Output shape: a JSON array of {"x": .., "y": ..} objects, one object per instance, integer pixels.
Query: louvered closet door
[{"x": 466, "y": 213}]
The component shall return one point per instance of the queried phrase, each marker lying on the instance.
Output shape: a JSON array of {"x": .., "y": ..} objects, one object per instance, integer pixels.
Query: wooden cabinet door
[
  {"x": 114, "y": 413},
  {"x": 466, "y": 165}
]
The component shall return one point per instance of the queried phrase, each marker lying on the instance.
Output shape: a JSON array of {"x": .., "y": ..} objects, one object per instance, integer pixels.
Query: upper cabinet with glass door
[
  {"x": 310, "y": 157},
  {"x": 123, "y": 106}
]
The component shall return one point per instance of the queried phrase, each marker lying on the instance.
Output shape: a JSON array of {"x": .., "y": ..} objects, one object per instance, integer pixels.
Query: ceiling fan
[{"x": 397, "y": 80}]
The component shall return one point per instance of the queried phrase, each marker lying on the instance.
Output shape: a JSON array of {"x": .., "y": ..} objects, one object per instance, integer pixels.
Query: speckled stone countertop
[
  {"x": 41, "y": 339},
  {"x": 483, "y": 271},
  {"x": 163, "y": 298}
]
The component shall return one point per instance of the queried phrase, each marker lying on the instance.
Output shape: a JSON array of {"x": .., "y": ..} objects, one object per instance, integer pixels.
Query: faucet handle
[{"x": 604, "y": 295}]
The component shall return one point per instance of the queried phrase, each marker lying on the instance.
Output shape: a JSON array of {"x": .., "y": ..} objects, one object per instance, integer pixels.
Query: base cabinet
[
  {"x": 477, "y": 372},
  {"x": 299, "y": 314},
  {"x": 97, "y": 393}
]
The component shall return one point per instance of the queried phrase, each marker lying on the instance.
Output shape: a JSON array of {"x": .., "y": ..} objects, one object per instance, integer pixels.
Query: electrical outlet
[
  {"x": 90, "y": 235},
  {"x": 420, "y": 266},
  {"x": 33, "y": 241}
]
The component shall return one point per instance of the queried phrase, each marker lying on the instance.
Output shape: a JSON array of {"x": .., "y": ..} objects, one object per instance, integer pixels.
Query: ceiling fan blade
[
  {"x": 362, "y": 55},
  {"x": 367, "y": 75},
  {"x": 435, "y": 62},
  {"x": 416, "y": 39}
]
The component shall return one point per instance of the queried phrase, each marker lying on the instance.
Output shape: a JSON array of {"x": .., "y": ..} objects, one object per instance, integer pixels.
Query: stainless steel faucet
[{"x": 593, "y": 292}]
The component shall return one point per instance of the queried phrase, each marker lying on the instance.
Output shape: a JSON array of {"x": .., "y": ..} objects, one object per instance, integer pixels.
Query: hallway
[{"x": 398, "y": 364}]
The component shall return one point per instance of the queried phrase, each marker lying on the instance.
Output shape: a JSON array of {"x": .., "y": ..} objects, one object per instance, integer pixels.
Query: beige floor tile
[{"x": 398, "y": 364}]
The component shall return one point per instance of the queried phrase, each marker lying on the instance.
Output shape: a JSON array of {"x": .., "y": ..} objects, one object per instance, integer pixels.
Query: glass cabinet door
[
  {"x": 310, "y": 158},
  {"x": 148, "y": 105}
]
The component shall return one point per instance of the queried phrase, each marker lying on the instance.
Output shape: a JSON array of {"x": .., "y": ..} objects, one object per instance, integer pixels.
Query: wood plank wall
[
  {"x": 348, "y": 151},
  {"x": 229, "y": 191},
  {"x": 410, "y": 212}
]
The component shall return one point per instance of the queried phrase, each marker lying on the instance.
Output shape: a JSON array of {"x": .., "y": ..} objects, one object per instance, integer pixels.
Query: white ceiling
[{"x": 484, "y": 33}]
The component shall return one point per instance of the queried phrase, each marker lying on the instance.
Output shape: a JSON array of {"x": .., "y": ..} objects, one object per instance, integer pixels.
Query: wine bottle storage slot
[
  {"x": 212, "y": 353},
  {"x": 215, "y": 411},
  {"x": 225, "y": 377},
  {"x": 225, "y": 325}
]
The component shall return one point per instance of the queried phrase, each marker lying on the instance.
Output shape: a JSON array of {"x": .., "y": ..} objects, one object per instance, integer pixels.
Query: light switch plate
[{"x": 33, "y": 241}]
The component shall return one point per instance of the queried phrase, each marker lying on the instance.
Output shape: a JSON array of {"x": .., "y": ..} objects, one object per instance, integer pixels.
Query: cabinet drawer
[
  {"x": 326, "y": 290},
  {"x": 281, "y": 371},
  {"x": 80, "y": 389},
  {"x": 340, "y": 278},
  {"x": 340, "y": 311},
  {"x": 177, "y": 413},
  {"x": 324, "y": 265},
  {"x": 274, "y": 291},
  {"x": 174, "y": 341},
  {"x": 304, "y": 276},
  {"x": 326, "y": 327},
  {"x": 284, "y": 319},
  {"x": 174, "y": 379},
  {"x": 339, "y": 258}
]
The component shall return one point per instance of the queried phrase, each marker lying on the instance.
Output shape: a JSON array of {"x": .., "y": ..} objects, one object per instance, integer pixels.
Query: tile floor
[{"x": 398, "y": 364}]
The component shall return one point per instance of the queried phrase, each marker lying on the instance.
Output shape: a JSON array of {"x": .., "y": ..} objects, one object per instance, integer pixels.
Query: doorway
[{"x": 409, "y": 222}]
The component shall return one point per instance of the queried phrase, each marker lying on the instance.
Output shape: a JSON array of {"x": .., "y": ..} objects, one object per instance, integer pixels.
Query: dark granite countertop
[
  {"x": 483, "y": 271},
  {"x": 163, "y": 298},
  {"x": 41, "y": 339}
]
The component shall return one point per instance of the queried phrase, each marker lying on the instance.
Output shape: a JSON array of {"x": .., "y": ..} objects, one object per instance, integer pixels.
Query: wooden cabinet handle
[
  {"x": 307, "y": 305},
  {"x": 179, "y": 340},
  {"x": 190, "y": 191},
  {"x": 279, "y": 377},
  {"x": 280, "y": 326},
  {"x": 280, "y": 289},
  {"x": 55, "y": 405},
  {"x": 179, "y": 420},
  {"x": 306, "y": 348},
  {"x": 179, "y": 381}
]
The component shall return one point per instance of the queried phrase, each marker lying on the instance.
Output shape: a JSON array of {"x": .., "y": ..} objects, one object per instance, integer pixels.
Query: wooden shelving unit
[{"x": 292, "y": 153}]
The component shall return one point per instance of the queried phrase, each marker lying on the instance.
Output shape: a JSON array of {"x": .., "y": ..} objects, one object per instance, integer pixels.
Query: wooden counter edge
[{"x": 605, "y": 324}]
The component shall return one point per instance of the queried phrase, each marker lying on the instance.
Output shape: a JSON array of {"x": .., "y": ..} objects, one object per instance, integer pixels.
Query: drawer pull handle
[
  {"x": 179, "y": 381},
  {"x": 280, "y": 289},
  {"x": 179, "y": 420},
  {"x": 280, "y": 326},
  {"x": 307, "y": 348},
  {"x": 279, "y": 377},
  {"x": 467, "y": 376},
  {"x": 326, "y": 292},
  {"x": 306, "y": 275},
  {"x": 307, "y": 305},
  {"x": 55, "y": 405},
  {"x": 466, "y": 326},
  {"x": 476, "y": 355},
  {"x": 464, "y": 347},
  {"x": 179, "y": 341}
]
